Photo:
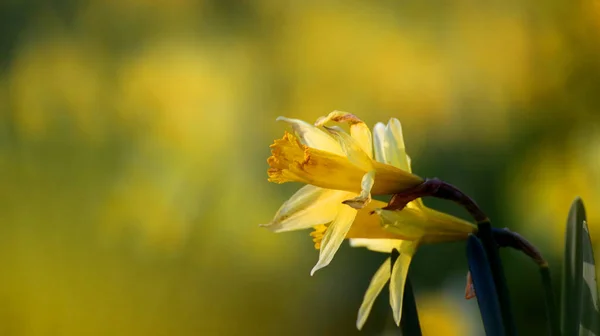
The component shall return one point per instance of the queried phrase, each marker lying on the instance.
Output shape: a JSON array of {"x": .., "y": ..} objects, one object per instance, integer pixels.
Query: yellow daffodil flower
[
  {"x": 414, "y": 225},
  {"x": 341, "y": 172}
]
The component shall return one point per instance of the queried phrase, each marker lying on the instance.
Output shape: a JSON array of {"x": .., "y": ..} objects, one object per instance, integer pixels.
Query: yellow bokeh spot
[
  {"x": 439, "y": 316},
  {"x": 57, "y": 80},
  {"x": 548, "y": 181}
]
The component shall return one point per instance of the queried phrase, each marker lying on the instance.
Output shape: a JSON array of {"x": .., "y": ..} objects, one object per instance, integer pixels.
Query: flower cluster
[{"x": 342, "y": 171}]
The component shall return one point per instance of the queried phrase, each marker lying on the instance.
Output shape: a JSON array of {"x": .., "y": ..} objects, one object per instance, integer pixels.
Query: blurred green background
[{"x": 134, "y": 136}]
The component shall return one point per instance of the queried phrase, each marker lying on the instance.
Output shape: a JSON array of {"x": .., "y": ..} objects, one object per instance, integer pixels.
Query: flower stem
[
  {"x": 507, "y": 238},
  {"x": 551, "y": 312},
  {"x": 410, "y": 317},
  {"x": 491, "y": 249}
]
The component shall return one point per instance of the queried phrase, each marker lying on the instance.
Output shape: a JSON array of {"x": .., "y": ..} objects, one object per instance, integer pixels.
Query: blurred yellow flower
[
  {"x": 341, "y": 171},
  {"x": 440, "y": 316},
  {"x": 549, "y": 178}
]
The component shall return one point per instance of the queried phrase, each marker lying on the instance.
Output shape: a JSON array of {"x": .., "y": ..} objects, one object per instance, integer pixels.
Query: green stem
[
  {"x": 410, "y": 317},
  {"x": 491, "y": 249},
  {"x": 551, "y": 312}
]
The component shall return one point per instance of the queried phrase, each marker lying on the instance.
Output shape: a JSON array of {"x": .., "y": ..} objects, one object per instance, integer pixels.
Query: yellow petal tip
[
  {"x": 317, "y": 267},
  {"x": 273, "y": 227}
]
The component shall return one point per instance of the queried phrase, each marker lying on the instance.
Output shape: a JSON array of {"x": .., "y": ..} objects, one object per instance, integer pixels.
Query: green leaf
[
  {"x": 580, "y": 314},
  {"x": 485, "y": 288}
]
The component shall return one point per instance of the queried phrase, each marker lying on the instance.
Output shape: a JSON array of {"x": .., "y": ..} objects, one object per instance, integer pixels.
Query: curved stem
[{"x": 439, "y": 189}]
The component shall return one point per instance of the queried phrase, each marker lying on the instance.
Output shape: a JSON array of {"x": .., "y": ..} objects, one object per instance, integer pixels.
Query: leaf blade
[
  {"x": 483, "y": 281},
  {"x": 580, "y": 314}
]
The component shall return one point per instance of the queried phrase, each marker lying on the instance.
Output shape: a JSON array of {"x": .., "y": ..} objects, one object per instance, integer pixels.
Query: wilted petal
[
  {"x": 398, "y": 278},
  {"x": 364, "y": 197},
  {"x": 378, "y": 281},
  {"x": 469, "y": 288},
  {"x": 308, "y": 207},
  {"x": 312, "y": 136},
  {"x": 336, "y": 232}
]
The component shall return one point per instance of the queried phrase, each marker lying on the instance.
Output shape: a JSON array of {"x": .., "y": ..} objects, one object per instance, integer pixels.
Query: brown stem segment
[
  {"x": 437, "y": 188},
  {"x": 506, "y": 238}
]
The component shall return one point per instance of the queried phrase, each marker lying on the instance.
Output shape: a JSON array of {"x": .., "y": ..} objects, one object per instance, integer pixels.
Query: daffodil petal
[
  {"x": 308, "y": 207},
  {"x": 358, "y": 129},
  {"x": 351, "y": 148},
  {"x": 395, "y": 152},
  {"x": 379, "y": 142},
  {"x": 384, "y": 139},
  {"x": 368, "y": 225},
  {"x": 398, "y": 278},
  {"x": 336, "y": 232},
  {"x": 419, "y": 201},
  {"x": 312, "y": 136},
  {"x": 377, "y": 245},
  {"x": 362, "y": 134},
  {"x": 377, "y": 283}
]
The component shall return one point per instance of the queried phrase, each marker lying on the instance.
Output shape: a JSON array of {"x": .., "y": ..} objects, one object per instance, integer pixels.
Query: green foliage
[{"x": 580, "y": 314}]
